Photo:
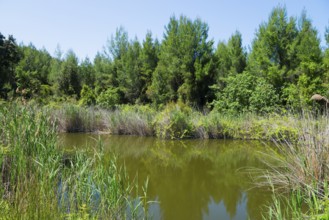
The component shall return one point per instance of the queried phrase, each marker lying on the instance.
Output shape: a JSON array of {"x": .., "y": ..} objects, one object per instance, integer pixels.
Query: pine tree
[
  {"x": 69, "y": 80},
  {"x": 129, "y": 73},
  {"x": 87, "y": 73},
  {"x": 271, "y": 56},
  {"x": 33, "y": 70},
  {"x": 306, "y": 72},
  {"x": 326, "y": 60},
  {"x": 9, "y": 57},
  {"x": 231, "y": 59},
  {"x": 149, "y": 61},
  {"x": 185, "y": 69}
]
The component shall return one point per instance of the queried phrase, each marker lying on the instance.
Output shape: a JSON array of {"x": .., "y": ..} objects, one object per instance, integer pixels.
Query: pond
[{"x": 190, "y": 179}]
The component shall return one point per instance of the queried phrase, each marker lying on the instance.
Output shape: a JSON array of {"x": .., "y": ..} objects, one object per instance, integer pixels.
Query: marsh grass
[
  {"x": 301, "y": 171},
  {"x": 73, "y": 118},
  {"x": 175, "y": 121},
  {"x": 127, "y": 120},
  {"x": 40, "y": 181},
  {"x": 131, "y": 120}
]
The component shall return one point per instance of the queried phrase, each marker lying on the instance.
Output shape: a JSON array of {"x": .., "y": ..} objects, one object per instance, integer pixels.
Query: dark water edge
[{"x": 189, "y": 179}]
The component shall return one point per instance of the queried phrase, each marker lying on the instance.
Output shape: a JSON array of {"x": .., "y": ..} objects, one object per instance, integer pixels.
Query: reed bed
[
  {"x": 41, "y": 181},
  {"x": 175, "y": 121}
]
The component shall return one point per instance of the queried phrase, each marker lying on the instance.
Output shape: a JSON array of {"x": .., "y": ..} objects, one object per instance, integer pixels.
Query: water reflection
[{"x": 191, "y": 179}]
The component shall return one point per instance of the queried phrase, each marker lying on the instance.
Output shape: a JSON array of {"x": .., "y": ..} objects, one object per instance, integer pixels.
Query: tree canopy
[{"x": 283, "y": 68}]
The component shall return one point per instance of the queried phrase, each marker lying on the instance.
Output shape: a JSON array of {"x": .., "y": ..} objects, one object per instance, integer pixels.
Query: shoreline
[{"x": 175, "y": 122}]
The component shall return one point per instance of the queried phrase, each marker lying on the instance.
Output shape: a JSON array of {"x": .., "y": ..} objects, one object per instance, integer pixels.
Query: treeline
[{"x": 284, "y": 68}]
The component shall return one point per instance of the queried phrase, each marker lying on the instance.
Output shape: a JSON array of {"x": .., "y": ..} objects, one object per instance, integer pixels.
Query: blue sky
[{"x": 84, "y": 26}]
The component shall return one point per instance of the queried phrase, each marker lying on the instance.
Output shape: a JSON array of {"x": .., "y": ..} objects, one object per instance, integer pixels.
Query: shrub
[
  {"x": 244, "y": 93},
  {"x": 264, "y": 98},
  {"x": 174, "y": 122},
  {"x": 235, "y": 96},
  {"x": 87, "y": 96},
  {"x": 109, "y": 98}
]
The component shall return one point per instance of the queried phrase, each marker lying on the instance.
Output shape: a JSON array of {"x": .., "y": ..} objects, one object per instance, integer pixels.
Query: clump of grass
[
  {"x": 128, "y": 120},
  {"x": 304, "y": 164},
  {"x": 131, "y": 120},
  {"x": 73, "y": 118},
  {"x": 30, "y": 162},
  {"x": 38, "y": 181},
  {"x": 302, "y": 171}
]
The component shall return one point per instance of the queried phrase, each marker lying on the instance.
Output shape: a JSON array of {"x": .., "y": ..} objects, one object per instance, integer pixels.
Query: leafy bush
[
  {"x": 87, "y": 96},
  {"x": 263, "y": 98},
  {"x": 108, "y": 98},
  {"x": 299, "y": 96},
  {"x": 245, "y": 92},
  {"x": 235, "y": 96}
]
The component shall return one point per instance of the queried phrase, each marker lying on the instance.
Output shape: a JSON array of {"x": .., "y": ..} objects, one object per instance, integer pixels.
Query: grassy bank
[
  {"x": 41, "y": 181},
  {"x": 300, "y": 180},
  {"x": 175, "y": 121}
]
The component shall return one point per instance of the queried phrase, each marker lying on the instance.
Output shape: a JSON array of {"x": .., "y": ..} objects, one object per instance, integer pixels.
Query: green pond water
[{"x": 190, "y": 179}]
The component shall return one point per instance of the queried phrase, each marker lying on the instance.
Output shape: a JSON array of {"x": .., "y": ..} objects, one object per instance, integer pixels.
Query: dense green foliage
[
  {"x": 9, "y": 57},
  {"x": 284, "y": 67},
  {"x": 185, "y": 69}
]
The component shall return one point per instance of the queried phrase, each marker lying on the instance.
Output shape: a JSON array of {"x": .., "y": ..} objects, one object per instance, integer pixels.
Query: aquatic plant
[{"x": 41, "y": 181}]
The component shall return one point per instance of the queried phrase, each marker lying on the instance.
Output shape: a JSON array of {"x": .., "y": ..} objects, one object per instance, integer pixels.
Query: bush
[
  {"x": 235, "y": 96},
  {"x": 109, "y": 98},
  {"x": 174, "y": 122},
  {"x": 245, "y": 92},
  {"x": 87, "y": 96},
  {"x": 298, "y": 96},
  {"x": 264, "y": 98}
]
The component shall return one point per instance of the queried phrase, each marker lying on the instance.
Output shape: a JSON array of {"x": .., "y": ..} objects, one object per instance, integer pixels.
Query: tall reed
[
  {"x": 72, "y": 118},
  {"x": 131, "y": 120},
  {"x": 303, "y": 170},
  {"x": 40, "y": 181},
  {"x": 128, "y": 120}
]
